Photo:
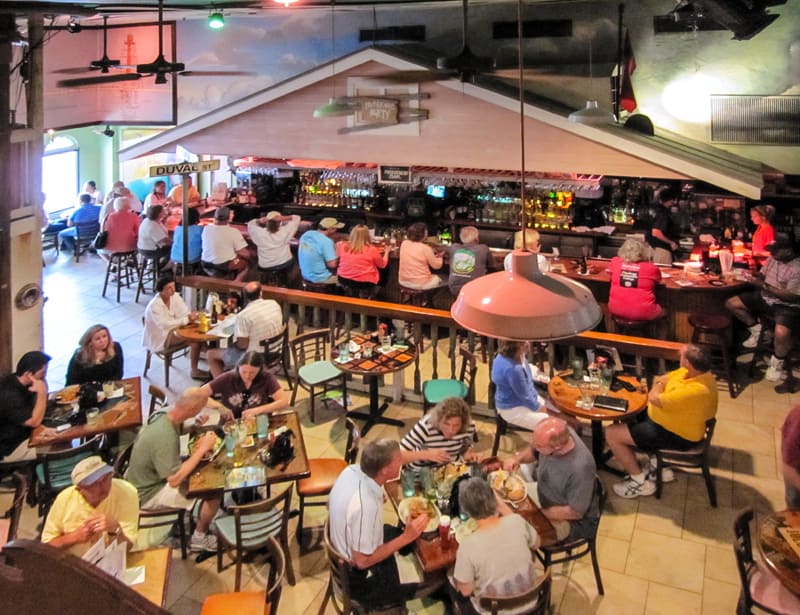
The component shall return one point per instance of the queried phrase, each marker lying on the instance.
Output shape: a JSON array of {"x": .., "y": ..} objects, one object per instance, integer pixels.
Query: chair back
[
  {"x": 339, "y": 583},
  {"x": 158, "y": 398},
  {"x": 469, "y": 367},
  {"x": 56, "y": 468},
  {"x": 310, "y": 347},
  {"x": 540, "y": 593},
  {"x": 695, "y": 455},
  {"x": 15, "y": 512},
  {"x": 743, "y": 551},
  {"x": 275, "y": 350},
  {"x": 258, "y": 522},
  {"x": 122, "y": 460},
  {"x": 277, "y": 571},
  {"x": 353, "y": 441}
]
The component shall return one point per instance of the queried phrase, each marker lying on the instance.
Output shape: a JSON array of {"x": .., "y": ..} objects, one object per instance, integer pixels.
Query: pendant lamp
[{"x": 525, "y": 303}]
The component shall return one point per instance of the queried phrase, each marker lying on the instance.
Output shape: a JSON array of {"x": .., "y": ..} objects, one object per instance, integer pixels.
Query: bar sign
[
  {"x": 183, "y": 168},
  {"x": 393, "y": 174}
]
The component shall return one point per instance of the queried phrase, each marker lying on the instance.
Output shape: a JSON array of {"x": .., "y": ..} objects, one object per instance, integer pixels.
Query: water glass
[
  {"x": 586, "y": 400},
  {"x": 92, "y": 415},
  {"x": 428, "y": 486},
  {"x": 408, "y": 479},
  {"x": 366, "y": 351},
  {"x": 577, "y": 368},
  {"x": 386, "y": 343},
  {"x": 262, "y": 425},
  {"x": 231, "y": 440},
  {"x": 344, "y": 352}
]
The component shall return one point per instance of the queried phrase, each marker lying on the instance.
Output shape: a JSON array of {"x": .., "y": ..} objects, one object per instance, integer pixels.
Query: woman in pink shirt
[
  {"x": 417, "y": 259},
  {"x": 359, "y": 262},
  {"x": 122, "y": 226},
  {"x": 633, "y": 282}
]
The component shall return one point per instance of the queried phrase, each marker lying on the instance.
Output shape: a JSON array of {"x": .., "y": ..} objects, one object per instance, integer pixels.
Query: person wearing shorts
[{"x": 679, "y": 404}]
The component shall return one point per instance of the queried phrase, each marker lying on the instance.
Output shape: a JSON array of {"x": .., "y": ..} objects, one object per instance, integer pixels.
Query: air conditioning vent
[{"x": 756, "y": 120}]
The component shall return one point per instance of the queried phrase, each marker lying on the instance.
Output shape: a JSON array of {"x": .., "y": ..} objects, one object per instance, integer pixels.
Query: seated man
[
  {"x": 23, "y": 401},
  {"x": 97, "y": 505},
  {"x": 355, "y": 511},
  {"x": 224, "y": 247},
  {"x": 260, "y": 319},
  {"x": 468, "y": 259},
  {"x": 778, "y": 297},
  {"x": 316, "y": 253},
  {"x": 679, "y": 404},
  {"x": 155, "y": 468},
  {"x": 87, "y": 211},
  {"x": 166, "y": 311},
  {"x": 565, "y": 479}
]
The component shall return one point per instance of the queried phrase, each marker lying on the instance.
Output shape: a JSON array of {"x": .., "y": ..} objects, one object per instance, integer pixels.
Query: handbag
[{"x": 100, "y": 240}]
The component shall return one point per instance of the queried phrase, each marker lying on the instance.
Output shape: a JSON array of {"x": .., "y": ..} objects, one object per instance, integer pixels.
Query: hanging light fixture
[
  {"x": 591, "y": 114},
  {"x": 524, "y": 303},
  {"x": 216, "y": 20}
]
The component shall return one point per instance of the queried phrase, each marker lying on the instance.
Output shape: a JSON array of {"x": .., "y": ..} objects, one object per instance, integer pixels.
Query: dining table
[
  {"x": 157, "y": 563},
  {"x": 779, "y": 546},
  {"x": 222, "y": 473},
  {"x": 565, "y": 394},
  {"x": 122, "y": 410},
  {"x": 193, "y": 332},
  {"x": 434, "y": 556},
  {"x": 371, "y": 360}
]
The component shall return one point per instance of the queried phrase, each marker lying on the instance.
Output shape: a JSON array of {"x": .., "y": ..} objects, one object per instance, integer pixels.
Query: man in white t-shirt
[
  {"x": 260, "y": 319},
  {"x": 224, "y": 247}
]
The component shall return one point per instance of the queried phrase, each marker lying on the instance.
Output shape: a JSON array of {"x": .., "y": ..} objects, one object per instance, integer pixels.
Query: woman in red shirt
[
  {"x": 761, "y": 216},
  {"x": 633, "y": 281},
  {"x": 359, "y": 262}
]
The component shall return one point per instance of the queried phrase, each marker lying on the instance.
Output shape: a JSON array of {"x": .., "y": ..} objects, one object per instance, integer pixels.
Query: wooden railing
[{"x": 433, "y": 331}]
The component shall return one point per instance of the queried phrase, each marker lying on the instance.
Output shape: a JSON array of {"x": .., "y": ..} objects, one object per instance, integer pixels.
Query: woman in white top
[
  {"x": 153, "y": 237},
  {"x": 158, "y": 196},
  {"x": 272, "y": 235}
]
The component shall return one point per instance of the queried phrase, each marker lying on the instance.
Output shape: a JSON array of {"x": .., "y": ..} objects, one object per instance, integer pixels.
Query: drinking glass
[
  {"x": 231, "y": 440},
  {"x": 577, "y": 368},
  {"x": 586, "y": 400},
  {"x": 386, "y": 343},
  {"x": 344, "y": 352},
  {"x": 408, "y": 478},
  {"x": 428, "y": 486},
  {"x": 262, "y": 425},
  {"x": 556, "y": 253}
]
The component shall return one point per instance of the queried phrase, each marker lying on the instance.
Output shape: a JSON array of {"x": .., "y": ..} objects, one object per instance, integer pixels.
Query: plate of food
[
  {"x": 67, "y": 395},
  {"x": 248, "y": 442},
  {"x": 411, "y": 508},
  {"x": 509, "y": 487},
  {"x": 449, "y": 471},
  {"x": 212, "y": 453}
]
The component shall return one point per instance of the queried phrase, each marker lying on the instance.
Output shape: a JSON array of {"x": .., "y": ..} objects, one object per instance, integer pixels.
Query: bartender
[{"x": 662, "y": 234}]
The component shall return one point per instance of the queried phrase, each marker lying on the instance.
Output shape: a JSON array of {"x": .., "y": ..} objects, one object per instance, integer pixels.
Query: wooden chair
[
  {"x": 759, "y": 588},
  {"x": 434, "y": 391},
  {"x": 695, "y": 457},
  {"x": 276, "y": 351},
  {"x": 148, "y": 270},
  {"x": 251, "y": 526},
  {"x": 40, "y": 578},
  {"x": 502, "y": 428},
  {"x": 540, "y": 593},
  {"x": 85, "y": 232},
  {"x": 158, "y": 399},
  {"x": 167, "y": 355},
  {"x": 568, "y": 550},
  {"x": 154, "y": 517},
  {"x": 123, "y": 266},
  {"x": 54, "y": 469},
  {"x": 50, "y": 241},
  {"x": 252, "y": 602},
  {"x": 338, "y": 589},
  {"x": 313, "y": 368},
  {"x": 324, "y": 472},
  {"x": 14, "y": 513}
]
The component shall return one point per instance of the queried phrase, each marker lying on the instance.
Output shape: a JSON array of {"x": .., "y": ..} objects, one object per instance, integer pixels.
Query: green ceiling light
[{"x": 216, "y": 21}]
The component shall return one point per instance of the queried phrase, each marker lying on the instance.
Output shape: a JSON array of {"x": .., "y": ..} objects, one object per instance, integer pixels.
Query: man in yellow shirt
[
  {"x": 679, "y": 404},
  {"x": 175, "y": 196},
  {"x": 96, "y": 506}
]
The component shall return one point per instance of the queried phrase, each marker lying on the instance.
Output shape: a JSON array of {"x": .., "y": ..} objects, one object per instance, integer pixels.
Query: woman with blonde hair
[
  {"x": 359, "y": 261},
  {"x": 633, "y": 281},
  {"x": 97, "y": 359},
  {"x": 532, "y": 244},
  {"x": 441, "y": 436},
  {"x": 761, "y": 216}
]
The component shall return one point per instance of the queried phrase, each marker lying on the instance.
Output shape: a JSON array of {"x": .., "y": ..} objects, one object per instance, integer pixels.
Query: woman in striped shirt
[{"x": 441, "y": 436}]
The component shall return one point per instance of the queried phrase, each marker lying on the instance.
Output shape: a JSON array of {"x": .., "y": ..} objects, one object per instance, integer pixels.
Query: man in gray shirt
[
  {"x": 565, "y": 479},
  {"x": 468, "y": 259}
]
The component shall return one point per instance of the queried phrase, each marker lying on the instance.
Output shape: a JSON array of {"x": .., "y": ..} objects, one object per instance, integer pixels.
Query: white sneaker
[
  {"x": 667, "y": 475},
  {"x": 204, "y": 543},
  {"x": 775, "y": 371},
  {"x": 755, "y": 333},
  {"x": 630, "y": 488}
]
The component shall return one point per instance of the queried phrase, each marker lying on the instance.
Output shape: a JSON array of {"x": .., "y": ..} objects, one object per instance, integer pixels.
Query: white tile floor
[{"x": 657, "y": 556}]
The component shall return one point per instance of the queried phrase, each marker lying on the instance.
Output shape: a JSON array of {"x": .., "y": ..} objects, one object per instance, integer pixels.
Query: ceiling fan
[
  {"x": 103, "y": 64},
  {"x": 159, "y": 67}
]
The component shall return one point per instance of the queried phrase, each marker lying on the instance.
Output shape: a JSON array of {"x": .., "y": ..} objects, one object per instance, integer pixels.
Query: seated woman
[
  {"x": 97, "y": 359},
  {"x": 272, "y": 235},
  {"x": 441, "y": 436},
  {"x": 533, "y": 245},
  {"x": 248, "y": 389},
  {"x": 359, "y": 262},
  {"x": 122, "y": 226},
  {"x": 761, "y": 216},
  {"x": 158, "y": 196},
  {"x": 633, "y": 281},
  {"x": 153, "y": 237},
  {"x": 515, "y": 396},
  {"x": 195, "y": 240},
  {"x": 417, "y": 259},
  {"x": 496, "y": 559}
]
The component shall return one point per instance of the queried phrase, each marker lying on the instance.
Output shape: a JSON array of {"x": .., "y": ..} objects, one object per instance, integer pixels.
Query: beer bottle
[{"x": 214, "y": 313}]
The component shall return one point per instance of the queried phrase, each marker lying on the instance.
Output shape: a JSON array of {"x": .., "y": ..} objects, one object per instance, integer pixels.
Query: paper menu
[
  {"x": 112, "y": 559},
  {"x": 792, "y": 536}
]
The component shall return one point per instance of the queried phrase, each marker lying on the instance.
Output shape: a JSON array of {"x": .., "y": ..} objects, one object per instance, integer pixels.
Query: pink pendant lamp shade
[{"x": 525, "y": 304}]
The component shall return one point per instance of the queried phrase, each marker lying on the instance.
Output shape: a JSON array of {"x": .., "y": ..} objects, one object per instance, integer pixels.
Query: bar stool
[
  {"x": 416, "y": 296},
  {"x": 653, "y": 328},
  {"x": 191, "y": 268},
  {"x": 124, "y": 264},
  {"x": 713, "y": 331},
  {"x": 315, "y": 287},
  {"x": 148, "y": 270},
  {"x": 275, "y": 276}
]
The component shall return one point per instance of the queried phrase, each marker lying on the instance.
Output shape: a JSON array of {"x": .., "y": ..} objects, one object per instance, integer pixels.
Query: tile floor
[{"x": 657, "y": 556}]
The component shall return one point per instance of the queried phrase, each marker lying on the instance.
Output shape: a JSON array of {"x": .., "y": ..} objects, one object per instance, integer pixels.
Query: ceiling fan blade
[
  {"x": 74, "y": 83},
  {"x": 216, "y": 73},
  {"x": 78, "y": 70}
]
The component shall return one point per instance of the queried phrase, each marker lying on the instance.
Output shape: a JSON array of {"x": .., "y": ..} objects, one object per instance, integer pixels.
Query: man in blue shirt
[
  {"x": 316, "y": 253},
  {"x": 86, "y": 212}
]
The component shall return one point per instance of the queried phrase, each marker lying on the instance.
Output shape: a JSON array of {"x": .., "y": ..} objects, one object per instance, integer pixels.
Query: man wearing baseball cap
[
  {"x": 272, "y": 235},
  {"x": 316, "y": 253},
  {"x": 96, "y": 506},
  {"x": 224, "y": 247}
]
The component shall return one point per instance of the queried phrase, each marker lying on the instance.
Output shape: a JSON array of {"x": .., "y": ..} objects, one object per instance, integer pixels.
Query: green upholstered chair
[
  {"x": 434, "y": 391},
  {"x": 313, "y": 369}
]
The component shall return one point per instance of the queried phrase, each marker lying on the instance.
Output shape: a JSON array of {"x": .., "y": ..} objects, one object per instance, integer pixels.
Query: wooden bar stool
[
  {"x": 148, "y": 270},
  {"x": 122, "y": 264},
  {"x": 316, "y": 287},
  {"x": 653, "y": 328},
  {"x": 275, "y": 276},
  {"x": 713, "y": 331},
  {"x": 416, "y": 296}
]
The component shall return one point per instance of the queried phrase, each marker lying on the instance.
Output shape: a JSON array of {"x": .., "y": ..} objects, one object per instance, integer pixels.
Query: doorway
[{"x": 60, "y": 176}]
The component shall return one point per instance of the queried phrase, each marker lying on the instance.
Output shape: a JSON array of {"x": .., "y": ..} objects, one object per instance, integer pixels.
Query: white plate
[
  {"x": 503, "y": 482},
  {"x": 404, "y": 506}
]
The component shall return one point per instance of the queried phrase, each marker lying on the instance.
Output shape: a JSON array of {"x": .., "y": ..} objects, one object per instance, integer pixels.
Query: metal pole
[
  {"x": 185, "y": 222},
  {"x": 618, "y": 81}
]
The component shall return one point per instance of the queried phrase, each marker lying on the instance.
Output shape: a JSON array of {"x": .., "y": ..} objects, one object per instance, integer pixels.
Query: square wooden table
[{"x": 157, "y": 564}]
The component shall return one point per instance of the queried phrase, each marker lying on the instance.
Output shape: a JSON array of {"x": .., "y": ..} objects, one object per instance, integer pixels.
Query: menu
[{"x": 792, "y": 536}]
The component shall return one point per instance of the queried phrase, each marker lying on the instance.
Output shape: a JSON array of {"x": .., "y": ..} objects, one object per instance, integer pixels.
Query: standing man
[
  {"x": 95, "y": 505},
  {"x": 260, "y": 319},
  {"x": 790, "y": 455},
  {"x": 679, "y": 404},
  {"x": 357, "y": 531},
  {"x": 663, "y": 232},
  {"x": 565, "y": 479},
  {"x": 23, "y": 401},
  {"x": 155, "y": 468},
  {"x": 224, "y": 247},
  {"x": 316, "y": 253}
]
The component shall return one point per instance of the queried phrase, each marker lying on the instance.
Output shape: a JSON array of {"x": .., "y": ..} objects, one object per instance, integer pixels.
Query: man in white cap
[
  {"x": 316, "y": 253},
  {"x": 224, "y": 247},
  {"x": 96, "y": 506}
]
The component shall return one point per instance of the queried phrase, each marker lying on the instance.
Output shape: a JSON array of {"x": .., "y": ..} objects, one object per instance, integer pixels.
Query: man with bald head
[
  {"x": 565, "y": 479},
  {"x": 156, "y": 470}
]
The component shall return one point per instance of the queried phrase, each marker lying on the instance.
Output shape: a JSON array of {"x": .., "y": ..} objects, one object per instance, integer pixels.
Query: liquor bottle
[{"x": 214, "y": 313}]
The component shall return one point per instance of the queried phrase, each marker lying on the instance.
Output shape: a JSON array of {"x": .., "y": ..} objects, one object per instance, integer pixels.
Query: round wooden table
[
  {"x": 565, "y": 396},
  {"x": 192, "y": 333},
  {"x": 776, "y": 532}
]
